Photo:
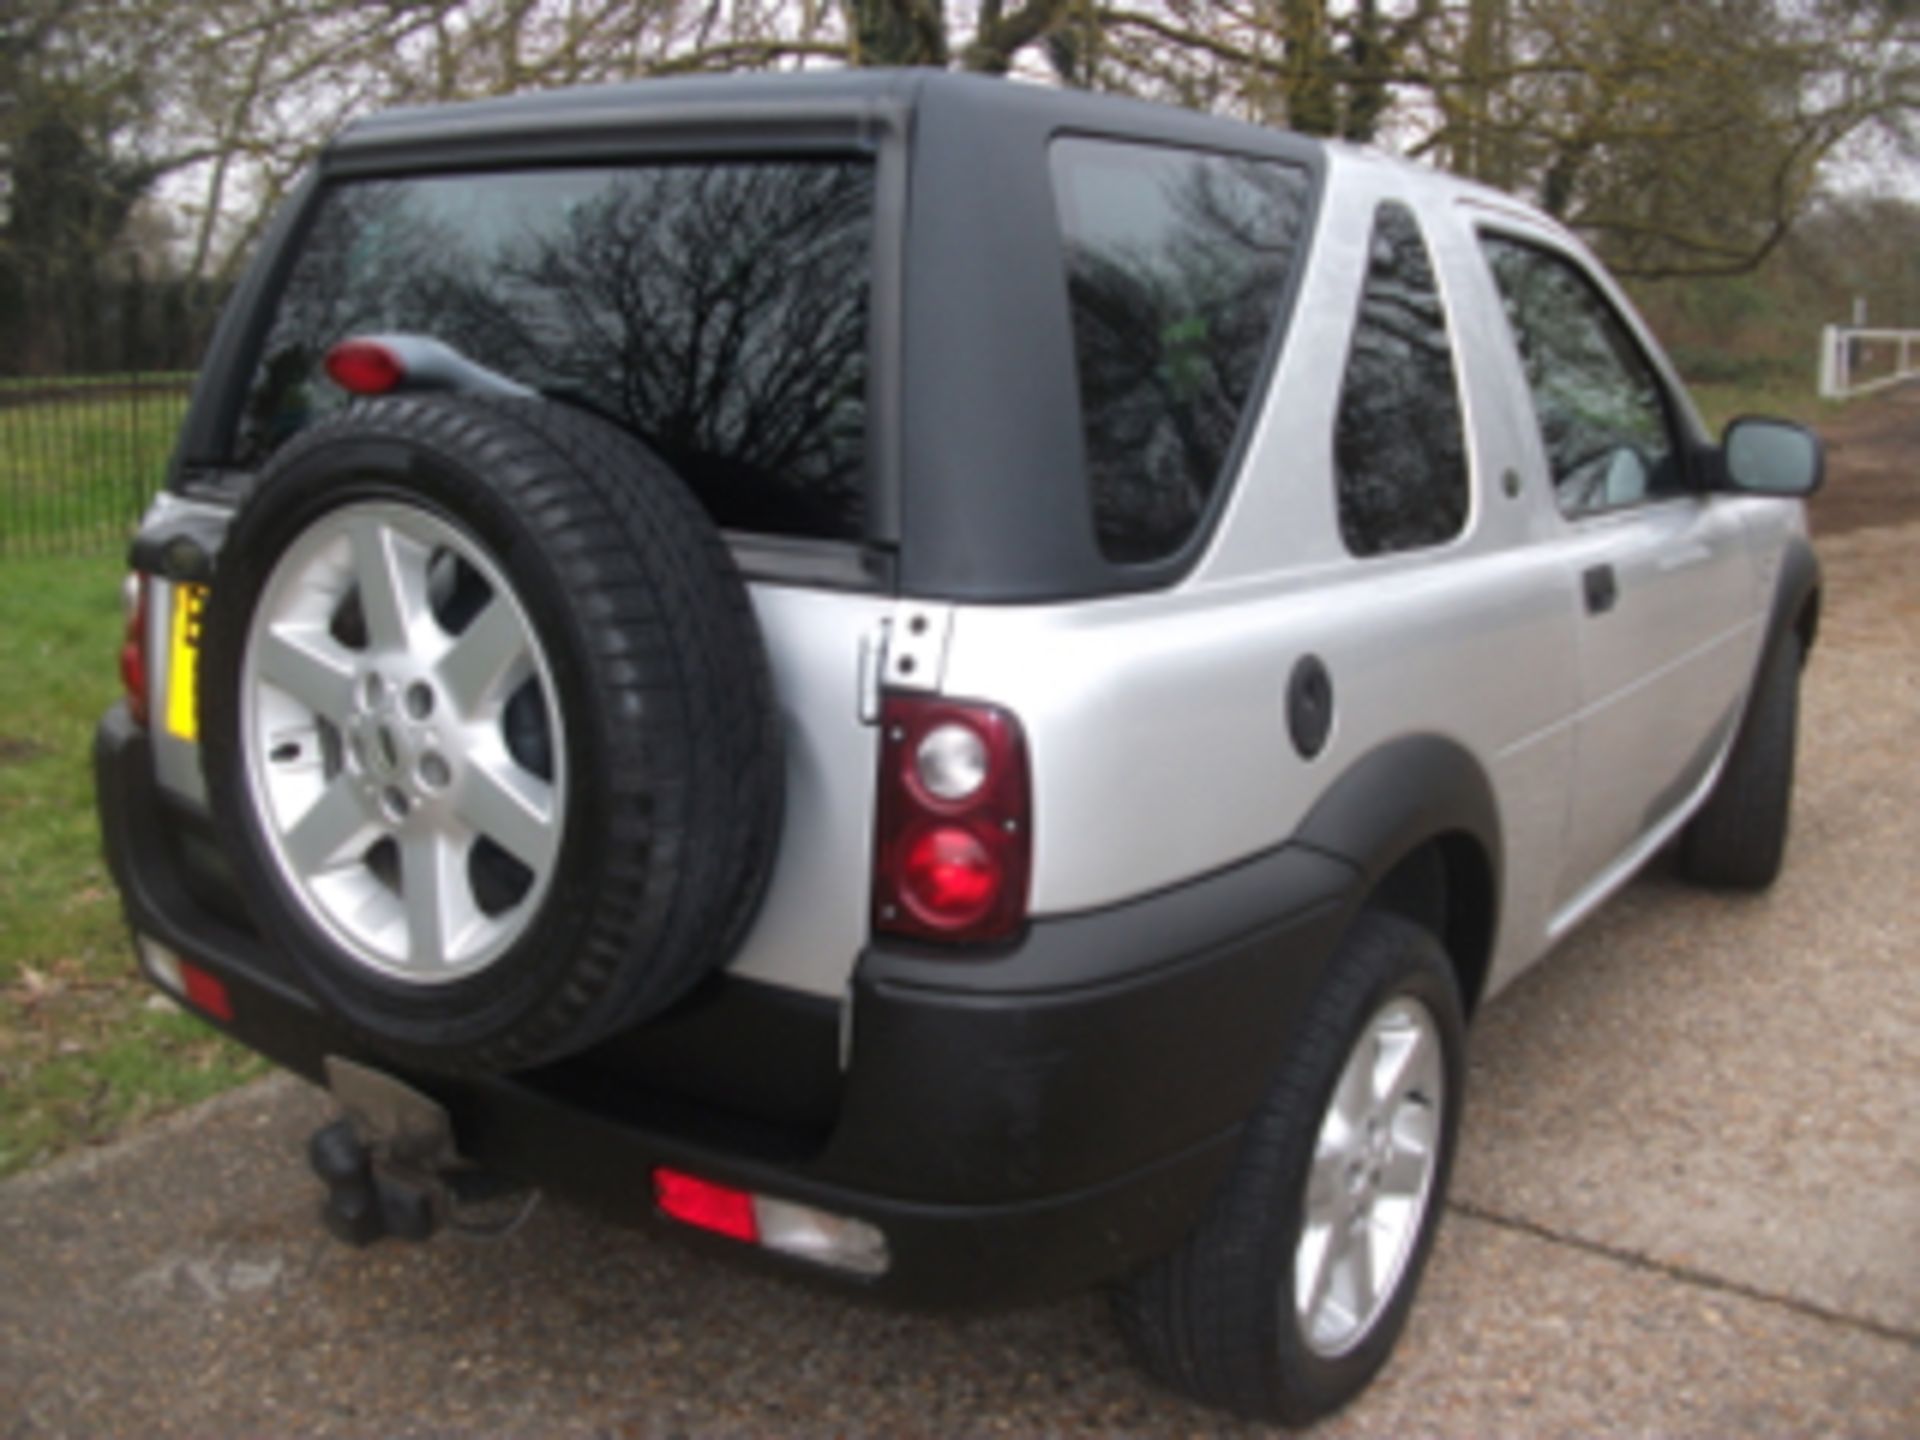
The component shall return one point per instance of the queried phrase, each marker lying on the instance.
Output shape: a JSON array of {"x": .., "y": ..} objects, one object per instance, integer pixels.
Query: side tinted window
[
  {"x": 1177, "y": 262},
  {"x": 1598, "y": 402},
  {"x": 717, "y": 310},
  {"x": 1399, "y": 449}
]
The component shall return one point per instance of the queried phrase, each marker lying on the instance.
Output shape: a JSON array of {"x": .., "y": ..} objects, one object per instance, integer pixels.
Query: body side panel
[{"x": 1157, "y": 723}]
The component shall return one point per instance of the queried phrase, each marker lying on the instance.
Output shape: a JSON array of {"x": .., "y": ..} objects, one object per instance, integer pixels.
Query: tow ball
[{"x": 389, "y": 1162}]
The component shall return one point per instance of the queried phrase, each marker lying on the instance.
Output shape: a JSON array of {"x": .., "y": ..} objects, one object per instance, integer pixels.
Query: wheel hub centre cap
[{"x": 400, "y": 762}]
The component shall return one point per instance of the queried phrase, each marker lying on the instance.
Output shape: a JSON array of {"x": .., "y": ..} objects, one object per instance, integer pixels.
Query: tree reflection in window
[
  {"x": 1399, "y": 450},
  {"x": 717, "y": 310},
  {"x": 1176, "y": 265},
  {"x": 1600, "y": 408}
]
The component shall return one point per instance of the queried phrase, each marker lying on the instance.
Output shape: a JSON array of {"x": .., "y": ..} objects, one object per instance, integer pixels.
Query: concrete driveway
[{"x": 1688, "y": 1203}]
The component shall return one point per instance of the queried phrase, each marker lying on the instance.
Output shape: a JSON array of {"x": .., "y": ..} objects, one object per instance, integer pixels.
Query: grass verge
[{"x": 86, "y": 1047}]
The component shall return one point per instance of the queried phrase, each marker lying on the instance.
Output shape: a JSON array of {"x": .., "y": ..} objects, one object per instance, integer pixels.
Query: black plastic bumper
[{"x": 1019, "y": 1127}]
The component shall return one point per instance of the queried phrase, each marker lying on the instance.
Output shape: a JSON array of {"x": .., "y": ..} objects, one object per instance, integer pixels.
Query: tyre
[
  {"x": 1290, "y": 1292},
  {"x": 1739, "y": 838},
  {"x": 487, "y": 727}
]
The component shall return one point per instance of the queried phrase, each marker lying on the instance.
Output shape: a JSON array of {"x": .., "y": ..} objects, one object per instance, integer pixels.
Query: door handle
[{"x": 1601, "y": 588}]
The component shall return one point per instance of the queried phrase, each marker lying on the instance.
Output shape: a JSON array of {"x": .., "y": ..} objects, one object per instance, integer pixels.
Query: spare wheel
[{"x": 487, "y": 727}]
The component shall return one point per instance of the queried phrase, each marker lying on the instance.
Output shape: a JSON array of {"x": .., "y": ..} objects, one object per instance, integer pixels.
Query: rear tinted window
[
  {"x": 1177, "y": 262},
  {"x": 717, "y": 310},
  {"x": 1399, "y": 447}
]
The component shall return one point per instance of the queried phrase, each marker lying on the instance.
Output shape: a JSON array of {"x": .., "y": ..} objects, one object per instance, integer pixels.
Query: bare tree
[{"x": 1685, "y": 138}]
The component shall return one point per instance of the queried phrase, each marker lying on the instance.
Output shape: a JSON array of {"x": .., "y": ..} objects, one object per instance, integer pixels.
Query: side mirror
[{"x": 1771, "y": 457}]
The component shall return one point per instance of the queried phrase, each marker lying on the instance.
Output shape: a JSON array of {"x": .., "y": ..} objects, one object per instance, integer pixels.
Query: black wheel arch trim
[
  {"x": 1796, "y": 600},
  {"x": 1422, "y": 795},
  {"x": 1398, "y": 797}
]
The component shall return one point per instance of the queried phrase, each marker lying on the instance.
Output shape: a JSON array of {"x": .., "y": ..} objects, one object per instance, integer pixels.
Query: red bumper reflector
[
  {"x": 205, "y": 992},
  {"x": 705, "y": 1205}
]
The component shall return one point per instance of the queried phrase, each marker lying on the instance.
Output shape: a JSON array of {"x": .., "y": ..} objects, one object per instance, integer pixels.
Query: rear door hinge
[{"x": 906, "y": 650}]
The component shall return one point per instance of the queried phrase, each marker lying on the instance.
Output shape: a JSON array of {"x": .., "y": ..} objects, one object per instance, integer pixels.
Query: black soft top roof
[{"x": 690, "y": 100}]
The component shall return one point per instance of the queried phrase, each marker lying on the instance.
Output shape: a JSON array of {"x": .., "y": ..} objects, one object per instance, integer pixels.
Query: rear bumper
[{"x": 1019, "y": 1127}]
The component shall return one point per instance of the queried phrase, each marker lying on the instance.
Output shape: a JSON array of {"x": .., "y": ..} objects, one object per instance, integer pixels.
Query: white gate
[{"x": 1847, "y": 352}]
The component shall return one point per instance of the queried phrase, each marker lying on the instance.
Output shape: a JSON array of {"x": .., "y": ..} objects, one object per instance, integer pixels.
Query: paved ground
[{"x": 1688, "y": 1203}]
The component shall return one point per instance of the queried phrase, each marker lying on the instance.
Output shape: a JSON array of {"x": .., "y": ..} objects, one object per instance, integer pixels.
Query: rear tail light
[
  {"x": 134, "y": 669},
  {"x": 954, "y": 830},
  {"x": 365, "y": 367}
]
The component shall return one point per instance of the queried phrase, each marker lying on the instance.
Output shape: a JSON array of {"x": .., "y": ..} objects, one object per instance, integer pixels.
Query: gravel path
[{"x": 1688, "y": 1203}]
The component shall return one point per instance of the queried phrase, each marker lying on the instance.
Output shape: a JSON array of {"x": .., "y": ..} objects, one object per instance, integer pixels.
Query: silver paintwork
[
  {"x": 399, "y": 742},
  {"x": 813, "y": 922},
  {"x": 1370, "y": 1181},
  {"x": 1155, "y": 722}
]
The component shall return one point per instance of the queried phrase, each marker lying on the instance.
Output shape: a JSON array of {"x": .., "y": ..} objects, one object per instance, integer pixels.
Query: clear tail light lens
[
  {"x": 951, "y": 761},
  {"x": 954, "y": 830}
]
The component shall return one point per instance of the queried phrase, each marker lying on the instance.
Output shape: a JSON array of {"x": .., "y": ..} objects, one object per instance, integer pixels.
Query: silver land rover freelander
[{"x": 961, "y": 687}]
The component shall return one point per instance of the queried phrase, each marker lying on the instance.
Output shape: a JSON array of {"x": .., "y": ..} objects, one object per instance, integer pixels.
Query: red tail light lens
[
  {"x": 364, "y": 367},
  {"x": 133, "y": 649},
  {"x": 950, "y": 875},
  {"x": 954, "y": 842}
]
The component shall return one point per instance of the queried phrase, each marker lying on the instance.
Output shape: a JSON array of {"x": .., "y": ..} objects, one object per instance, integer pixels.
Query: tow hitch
[{"x": 390, "y": 1166}]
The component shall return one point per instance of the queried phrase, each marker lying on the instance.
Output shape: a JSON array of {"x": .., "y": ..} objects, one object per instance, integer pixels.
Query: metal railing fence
[{"x": 81, "y": 456}]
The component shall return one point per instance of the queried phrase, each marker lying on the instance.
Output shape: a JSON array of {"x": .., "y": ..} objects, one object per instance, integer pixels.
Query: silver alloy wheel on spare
[
  {"x": 402, "y": 743},
  {"x": 1371, "y": 1178}
]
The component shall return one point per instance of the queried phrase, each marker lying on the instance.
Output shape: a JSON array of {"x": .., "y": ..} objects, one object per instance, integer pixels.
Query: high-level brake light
[{"x": 365, "y": 367}]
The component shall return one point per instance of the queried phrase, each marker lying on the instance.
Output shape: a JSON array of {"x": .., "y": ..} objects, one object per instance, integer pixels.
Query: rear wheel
[
  {"x": 488, "y": 727},
  {"x": 1288, "y": 1296}
]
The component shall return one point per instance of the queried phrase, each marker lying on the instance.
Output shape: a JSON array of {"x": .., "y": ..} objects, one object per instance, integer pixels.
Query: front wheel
[
  {"x": 1289, "y": 1294},
  {"x": 1738, "y": 841}
]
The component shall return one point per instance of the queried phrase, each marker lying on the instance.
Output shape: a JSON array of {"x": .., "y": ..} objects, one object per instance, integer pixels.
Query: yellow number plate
[{"x": 183, "y": 661}]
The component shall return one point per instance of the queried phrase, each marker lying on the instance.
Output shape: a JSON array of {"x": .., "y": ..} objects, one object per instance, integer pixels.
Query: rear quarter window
[
  {"x": 1177, "y": 262},
  {"x": 1399, "y": 445},
  {"x": 718, "y": 310}
]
